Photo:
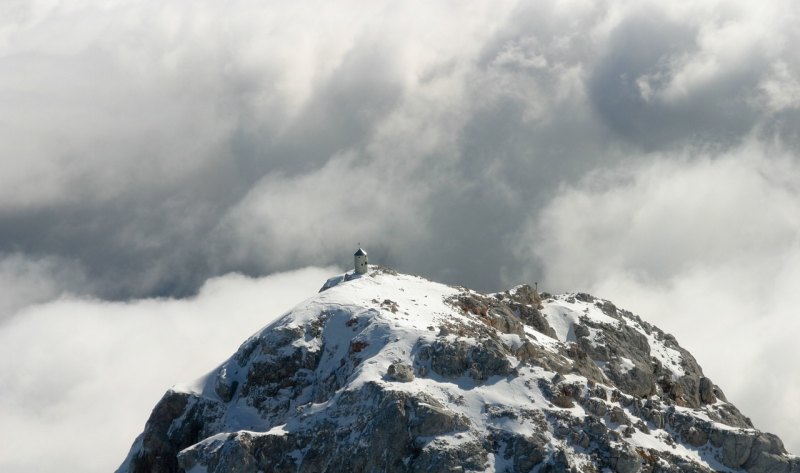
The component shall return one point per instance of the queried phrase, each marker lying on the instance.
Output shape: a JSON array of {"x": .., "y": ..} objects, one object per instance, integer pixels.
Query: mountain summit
[{"x": 386, "y": 372}]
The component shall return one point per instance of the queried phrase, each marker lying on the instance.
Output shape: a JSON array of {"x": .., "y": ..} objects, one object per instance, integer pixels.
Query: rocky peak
[{"x": 390, "y": 372}]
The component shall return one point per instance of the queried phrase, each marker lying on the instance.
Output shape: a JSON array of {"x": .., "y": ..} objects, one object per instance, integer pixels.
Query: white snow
[
  {"x": 380, "y": 318},
  {"x": 279, "y": 430},
  {"x": 625, "y": 364},
  {"x": 562, "y": 314},
  {"x": 668, "y": 357}
]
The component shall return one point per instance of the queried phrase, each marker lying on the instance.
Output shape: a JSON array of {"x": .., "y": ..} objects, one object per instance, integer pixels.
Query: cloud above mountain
[
  {"x": 79, "y": 377},
  {"x": 641, "y": 150},
  {"x": 156, "y": 145}
]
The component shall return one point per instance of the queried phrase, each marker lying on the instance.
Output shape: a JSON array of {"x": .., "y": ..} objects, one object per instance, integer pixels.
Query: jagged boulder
[
  {"x": 707, "y": 394},
  {"x": 524, "y": 452},
  {"x": 400, "y": 372},
  {"x": 455, "y": 358},
  {"x": 506, "y": 312},
  {"x": 179, "y": 420}
]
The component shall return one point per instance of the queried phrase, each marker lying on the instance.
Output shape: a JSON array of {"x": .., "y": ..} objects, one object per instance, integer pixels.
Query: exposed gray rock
[
  {"x": 400, "y": 428},
  {"x": 455, "y": 358},
  {"x": 506, "y": 313},
  {"x": 438, "y": 456},
  {"x": 234, "y": 454},
  {"x": 532, "y": 317},
  {"x": 595, "y": 406},
  {"x": 707, "y": 395},
  {"x": 163, "y": 437},
  {"x": 734, "y": 446},
  {"x": 535, "y": 355},
  {"x": 428, "y": 418},
  {"x": 557, "y": 463},
  {"x": 225, "y": 387},
  {"x": 523, "y": 295},
  {"x": 620, "y": 342},
  {"x": 728, "y": 414},
  {"x": 400, "y": 372},
  {"x": 695, "y": 436},
  {"x": 625, "y": 460},
  {"x": 617, "y": 416},
  {"x": 767, "y": 455},
  {"x": 502, "y": 319},
  {"x": 524, "y": 452}
]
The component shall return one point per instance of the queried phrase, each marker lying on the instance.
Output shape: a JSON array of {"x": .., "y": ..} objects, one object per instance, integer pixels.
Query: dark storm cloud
[
  {"x": 127, "y": 171},
  {"x": 641, "y": 56},
  {"x": 133, "y": 143}
]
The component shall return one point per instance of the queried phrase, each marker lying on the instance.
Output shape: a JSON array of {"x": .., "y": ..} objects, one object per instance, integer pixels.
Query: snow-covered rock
[{"x": 393, "y": 373}]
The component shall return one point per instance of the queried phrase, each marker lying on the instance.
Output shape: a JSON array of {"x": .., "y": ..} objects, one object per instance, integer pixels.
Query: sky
[{"x": 174, "y": 175}]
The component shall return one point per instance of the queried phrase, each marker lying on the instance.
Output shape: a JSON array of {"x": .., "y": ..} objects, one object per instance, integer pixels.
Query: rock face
[{"x": 392, "y": 373}]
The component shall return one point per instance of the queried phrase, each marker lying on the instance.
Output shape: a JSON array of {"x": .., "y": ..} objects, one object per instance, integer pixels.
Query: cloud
[
  {"x": 30, "y": 280},
  {"x": 707, "y": 247},
  {"x": 148, "y": 147},
  {"x": 282, "y": 219},
  {"x": 139, "y": 134},
  {"x": 79, "y": 376}
]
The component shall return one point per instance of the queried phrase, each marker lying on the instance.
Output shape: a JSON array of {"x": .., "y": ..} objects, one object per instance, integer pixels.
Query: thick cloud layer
[
  {"x": 79, "y": 377},
  {"x": 146, "y": 147},
  {"x": 156, "y": 145}
]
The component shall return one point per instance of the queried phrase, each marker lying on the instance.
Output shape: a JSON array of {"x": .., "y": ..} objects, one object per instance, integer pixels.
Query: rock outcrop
[{"x": 393, "y": 373}]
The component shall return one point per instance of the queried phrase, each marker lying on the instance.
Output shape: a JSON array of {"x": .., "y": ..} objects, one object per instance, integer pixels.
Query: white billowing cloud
[
  {"x": 707, "y": 248},
  {"x": 283, "y": 219},
  {"x": 781, "y": 88},
  {"x": 139, "y": 131},
  {"x": 727, "y": 46},
  {"x": 78, "y": 377},
  {"x": 109, "y": 97},
  {"x": 133, "y": 129}
]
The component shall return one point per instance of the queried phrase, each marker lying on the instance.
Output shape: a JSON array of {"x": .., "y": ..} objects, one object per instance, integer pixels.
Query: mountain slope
[{"x": 390, "y": 372}]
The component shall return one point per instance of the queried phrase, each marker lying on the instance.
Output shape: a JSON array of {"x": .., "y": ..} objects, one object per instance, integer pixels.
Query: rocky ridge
[{"x": 393, "y": 373}]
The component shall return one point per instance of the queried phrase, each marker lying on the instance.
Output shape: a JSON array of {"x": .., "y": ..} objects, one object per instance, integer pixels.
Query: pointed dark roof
[{"x": 360, "y": 252}]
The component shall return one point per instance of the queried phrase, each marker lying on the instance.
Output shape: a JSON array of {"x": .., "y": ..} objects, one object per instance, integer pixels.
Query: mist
[{"x": 80, "y": 376}]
